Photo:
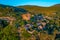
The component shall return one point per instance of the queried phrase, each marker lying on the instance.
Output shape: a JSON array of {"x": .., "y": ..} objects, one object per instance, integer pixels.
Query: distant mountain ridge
[
  {"x": 57, "y": 5},
  {"x": 40, "y": 9},
  {"x": 32, "y": 9},
  {"x": 12, "y": 7}
]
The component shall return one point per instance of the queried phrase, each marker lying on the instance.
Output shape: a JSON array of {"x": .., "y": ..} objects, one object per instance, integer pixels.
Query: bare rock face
[{"x": 26, "y": 16}]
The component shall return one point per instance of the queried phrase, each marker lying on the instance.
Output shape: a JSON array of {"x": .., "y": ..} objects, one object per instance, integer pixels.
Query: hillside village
[
  {"x": 40, "y": 23},
  {"x": 20, "y": 24}
]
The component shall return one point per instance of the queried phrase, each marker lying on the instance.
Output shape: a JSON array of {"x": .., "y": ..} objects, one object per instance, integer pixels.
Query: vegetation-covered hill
[
  {"x": 9, "y": 17},
  {"x": 6, "y": 10},
  {"x": 30, "y": 8},
  {"x": 29, "y": 22},
  {"x": 40, "y": 9}
]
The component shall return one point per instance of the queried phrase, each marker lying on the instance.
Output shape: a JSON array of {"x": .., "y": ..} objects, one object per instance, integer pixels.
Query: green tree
[{"x": 9, "y": 33}]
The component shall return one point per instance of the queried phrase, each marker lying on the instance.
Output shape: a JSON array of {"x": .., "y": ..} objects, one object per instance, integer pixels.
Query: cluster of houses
[{"x": 38, "y": 22}]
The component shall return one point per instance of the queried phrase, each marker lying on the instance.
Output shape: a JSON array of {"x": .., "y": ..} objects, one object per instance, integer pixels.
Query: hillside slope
[
  {"x": 39, "y": 9},
  {"x": 6, "y": 10},
  {"x": 24, "y": 22}
]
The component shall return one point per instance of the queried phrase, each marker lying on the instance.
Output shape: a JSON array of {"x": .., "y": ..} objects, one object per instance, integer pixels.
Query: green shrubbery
[{"x": 9, "y": 33}]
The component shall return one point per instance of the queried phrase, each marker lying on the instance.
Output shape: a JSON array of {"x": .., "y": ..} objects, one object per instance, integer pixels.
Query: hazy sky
[{"x": 30, "y": 2}]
